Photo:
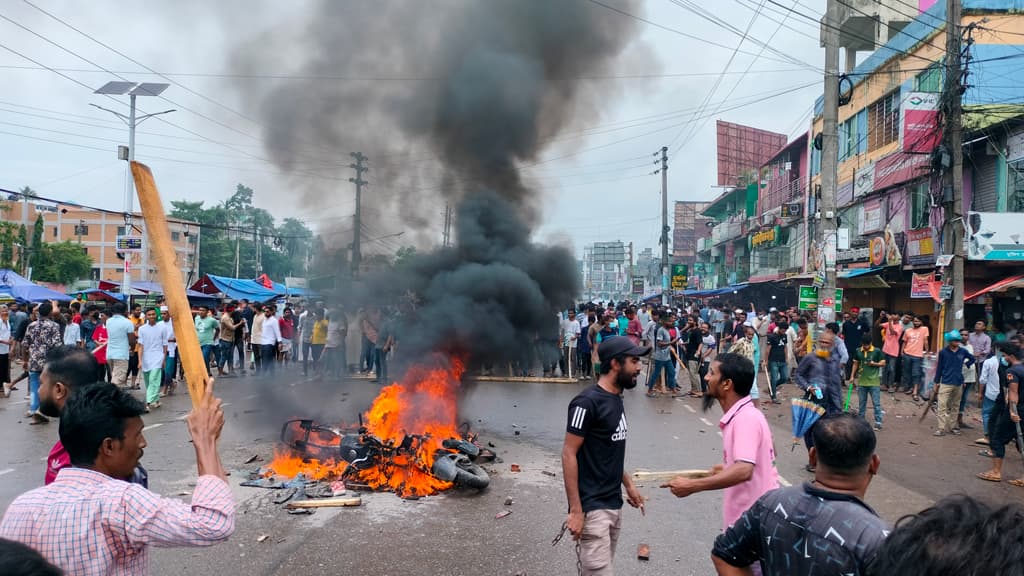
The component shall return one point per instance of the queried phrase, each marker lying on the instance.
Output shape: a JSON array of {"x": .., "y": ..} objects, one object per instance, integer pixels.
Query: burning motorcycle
[{"x": 454, "y": 461}]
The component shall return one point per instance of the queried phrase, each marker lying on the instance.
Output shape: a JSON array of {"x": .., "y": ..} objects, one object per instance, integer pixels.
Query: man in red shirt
[{"x": 66, "y": 369}]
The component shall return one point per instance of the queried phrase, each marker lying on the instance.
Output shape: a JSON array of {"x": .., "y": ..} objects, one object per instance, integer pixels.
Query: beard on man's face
[
  {"x": 47, "y": 407},
  {"x": 707, "y": 401},
  {"x": 625, "y": 380}
]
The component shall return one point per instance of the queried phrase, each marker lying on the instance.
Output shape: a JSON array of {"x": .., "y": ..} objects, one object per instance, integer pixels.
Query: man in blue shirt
[
  {"x": 120, "y": 338},
  {"x": 949, "y": 376}
]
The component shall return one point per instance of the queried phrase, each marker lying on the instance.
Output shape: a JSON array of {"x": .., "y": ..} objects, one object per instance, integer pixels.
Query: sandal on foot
[
  {"x": 1018, "y": 482},
  {"x": 986, "y": 452},
  {"x": 916, "y": 398},
  {"x": 987, "y": 476}
]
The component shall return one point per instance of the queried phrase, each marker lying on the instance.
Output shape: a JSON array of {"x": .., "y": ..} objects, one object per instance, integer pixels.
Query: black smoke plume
[{"x": 465, "y": 94}]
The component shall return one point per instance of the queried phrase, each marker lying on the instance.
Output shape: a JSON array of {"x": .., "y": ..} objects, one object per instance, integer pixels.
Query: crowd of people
[
  {"x": 819, "y": 527},
  {"x": 137, "y": 349}
]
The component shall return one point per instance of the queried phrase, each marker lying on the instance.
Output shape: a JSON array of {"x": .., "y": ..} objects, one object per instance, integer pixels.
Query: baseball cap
[
  {"x": 618, "y": 346},
  {"x": 163, "y": 308},
  {"x": 855, "y": 310}
]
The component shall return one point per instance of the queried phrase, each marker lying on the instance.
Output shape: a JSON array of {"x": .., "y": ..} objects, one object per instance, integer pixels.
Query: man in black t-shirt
[
  {"x": 778, "y": 367},
  {"x": 593, "y": 456},
  {"x": 1004, "y": 420},
  {"x": 822, "y": 527}
]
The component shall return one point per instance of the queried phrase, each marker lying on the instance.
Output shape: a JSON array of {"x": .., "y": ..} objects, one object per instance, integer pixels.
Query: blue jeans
[
  {"x": 963, "y": 396},
  {"x": 913, "y": 372},
  {"x": 876, "y": 402},
  {"x": 208, "y": 351},
  {"x": 986, "y": 410},
  {"x": 778, "y": 373},
  {"x": 268, "y": 358},
  {"x": 889, "y": 372},
  {"x": 33, "y": 388},
  {"x": 226, "y": 351},
  {"x": 670, "y": 374}
]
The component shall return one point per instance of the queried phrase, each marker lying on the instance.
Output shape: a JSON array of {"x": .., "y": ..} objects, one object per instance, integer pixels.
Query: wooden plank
[
  {"x": 335, "y": 502},
  {"x": 665, "y": 476},
  {"x": 172, "y": 281}
]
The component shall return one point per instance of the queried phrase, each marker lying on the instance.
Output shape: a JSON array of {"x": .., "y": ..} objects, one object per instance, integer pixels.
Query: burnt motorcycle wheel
[{"x": 472, "y": 476}]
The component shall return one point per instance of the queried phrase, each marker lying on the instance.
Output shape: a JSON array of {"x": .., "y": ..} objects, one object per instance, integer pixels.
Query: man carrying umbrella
[
  {"x": 820, "y": 375},
  {"x": 1004, "y": 425}
]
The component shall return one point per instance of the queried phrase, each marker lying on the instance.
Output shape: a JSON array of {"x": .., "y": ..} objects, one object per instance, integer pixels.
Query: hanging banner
[
  {"x": 920, "y": 285},
  {"x": 900, "y": 167},
  {"x": 680, "y": 273},
  {"x": 864, "y": 181},
  {"x": 638, "y": 285},
  {"x": 920, "y": 131},
  {"x": 994, "y": 236},
  {"x": 767, "y": 238},
  {"x": 808, "y": 298}
]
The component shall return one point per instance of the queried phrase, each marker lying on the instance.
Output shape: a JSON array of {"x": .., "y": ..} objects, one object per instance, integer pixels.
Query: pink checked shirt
[
  {"x": 89, "y": 524},
  {"x": 746, "y": 438}
]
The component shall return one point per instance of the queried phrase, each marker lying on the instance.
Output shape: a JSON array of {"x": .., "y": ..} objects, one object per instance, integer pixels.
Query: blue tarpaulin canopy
[
  {"x": 853, "y": 273},
  {"x": 716, "y": 291},
  {"x": 23, "y": 289},
  {"x": 237, "y": 288},
  {"x": 152, "y": 288}
]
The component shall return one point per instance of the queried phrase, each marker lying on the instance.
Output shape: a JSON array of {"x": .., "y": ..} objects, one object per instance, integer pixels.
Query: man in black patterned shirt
[{"x": 822, "y": 527}]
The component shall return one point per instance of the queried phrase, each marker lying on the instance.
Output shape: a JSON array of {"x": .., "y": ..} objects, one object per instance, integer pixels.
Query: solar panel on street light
[
  {"x": 116, "y": 87},
  {"x": 149, "y": 89}
]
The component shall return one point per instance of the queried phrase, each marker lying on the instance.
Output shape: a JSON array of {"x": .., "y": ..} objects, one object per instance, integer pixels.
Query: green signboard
[
  {"x": 680, "y": 276},
  {"x": 808, "y": 299}
]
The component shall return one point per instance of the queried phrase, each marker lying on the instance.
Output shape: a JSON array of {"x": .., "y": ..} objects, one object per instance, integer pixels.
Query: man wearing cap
[
  {"x": 593, "y": 457},
  {"x": 949, "y": 376}
]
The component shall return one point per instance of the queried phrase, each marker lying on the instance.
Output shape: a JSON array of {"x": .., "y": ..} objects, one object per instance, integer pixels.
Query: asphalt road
[{"x": 457, "y": 533}]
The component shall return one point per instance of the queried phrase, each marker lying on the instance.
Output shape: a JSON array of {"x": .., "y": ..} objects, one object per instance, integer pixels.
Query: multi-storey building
[
  {"x": 606, "y": 271},
  {"x": 97, "y": 232},
  {"x": 689, "y": 226},
  {"x": 891, "y": 191}
]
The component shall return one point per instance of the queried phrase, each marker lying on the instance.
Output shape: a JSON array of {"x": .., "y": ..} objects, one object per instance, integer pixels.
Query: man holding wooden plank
[
  {"x": 593, "y": 457},
  {"x": 748, "y": 470}
]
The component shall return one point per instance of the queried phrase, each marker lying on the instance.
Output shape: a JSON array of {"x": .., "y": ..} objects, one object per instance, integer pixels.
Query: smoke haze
[{"x": 465, "y": 94}]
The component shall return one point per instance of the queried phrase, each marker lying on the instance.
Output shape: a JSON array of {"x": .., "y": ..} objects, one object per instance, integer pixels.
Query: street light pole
[{"x": 133, "y": 89}]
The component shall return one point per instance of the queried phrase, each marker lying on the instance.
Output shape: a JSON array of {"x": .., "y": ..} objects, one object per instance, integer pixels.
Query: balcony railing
[{"x": 731, "y": 229}]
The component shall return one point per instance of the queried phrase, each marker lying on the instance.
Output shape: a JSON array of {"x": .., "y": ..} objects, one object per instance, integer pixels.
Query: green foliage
[
  {"x": 61, "y": 262},
  {"x": 35, "y": 256},
  {"x": 235, "y": 225}
]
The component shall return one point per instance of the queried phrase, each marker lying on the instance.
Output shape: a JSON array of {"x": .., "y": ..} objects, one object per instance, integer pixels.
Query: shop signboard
[
  {"x": 638, "y": 285},
  {"x": 872, "y": 216},
  {"x": 994, "y": 236},
  {"x": 853, "y": 255},
  {"x": 129, "y": 243},
  {"x": 808, "y": 298},
  {"x": 767, "y": 238},
  {"x": 920, "y": 130},
  {"x": 680, "y": 273},
  {"x": 920, "y": 285},
  {"x": 920, "y": 246},
  {"x": 864, "y": 181},
  {"x": 843, "y": 239},
  {"x": 792, "y": 210},
  {"x": 900, "y": 167}
]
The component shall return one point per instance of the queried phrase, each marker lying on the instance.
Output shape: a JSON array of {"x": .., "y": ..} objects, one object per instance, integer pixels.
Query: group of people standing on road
[{"x": 820, "y": 527}]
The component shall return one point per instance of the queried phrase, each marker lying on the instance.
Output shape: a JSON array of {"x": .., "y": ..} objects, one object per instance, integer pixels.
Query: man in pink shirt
[
  {"x": 748, "y": 468},
  {"x": 88, "y": 522},
  {"x": 892, "y": 331}
]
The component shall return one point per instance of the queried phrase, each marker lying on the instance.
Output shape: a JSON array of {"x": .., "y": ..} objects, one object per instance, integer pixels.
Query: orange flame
[{"x": 424, "y": 403}]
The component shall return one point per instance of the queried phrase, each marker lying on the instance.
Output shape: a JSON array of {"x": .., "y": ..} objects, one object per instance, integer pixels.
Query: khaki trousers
[
  {"x": 597, "y": 544},
  {"x": 949, "y": 405},
  {"x": 119, "y": 372}
]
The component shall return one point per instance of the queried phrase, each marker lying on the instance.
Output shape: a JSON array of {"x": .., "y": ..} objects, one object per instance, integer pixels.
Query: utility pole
[
  {"x": 664, "y": 228},
  {"x": 357, "y": 256},
  {"x": 954, "y": 229},
  {"x": 825, "y": 232}
]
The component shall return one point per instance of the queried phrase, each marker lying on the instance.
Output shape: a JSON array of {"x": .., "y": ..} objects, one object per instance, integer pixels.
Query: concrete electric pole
[
  {"x": 664, "y": 228},
  {"x": 825, "y": 236},
  {"x": 954, "y": 228},
  {"x": 357, "y": 256}
]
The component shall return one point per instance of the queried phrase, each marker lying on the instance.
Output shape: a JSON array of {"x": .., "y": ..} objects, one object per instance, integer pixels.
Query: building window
[
  {"x": 920, "y": 206},
  {"x": 54, "y": 231},
  {"x": 929, "y": 80},
  {"x": 120, "y": 230},
  {"x": 81, "y": 229},
  {"x": 191, "y": 238},
  {"x": 175, "y": 236},
  {"x": 884, "y": 121},
  {"x": 1015, "y": 191},
  {"x": 94, "y": 274}
]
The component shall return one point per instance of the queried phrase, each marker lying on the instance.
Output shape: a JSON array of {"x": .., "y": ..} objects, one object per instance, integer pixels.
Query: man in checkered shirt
[{"x": 90, "y": 523}]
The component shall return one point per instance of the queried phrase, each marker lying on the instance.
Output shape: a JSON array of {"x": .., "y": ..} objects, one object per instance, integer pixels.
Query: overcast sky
[{"x": 596, "y": 182}]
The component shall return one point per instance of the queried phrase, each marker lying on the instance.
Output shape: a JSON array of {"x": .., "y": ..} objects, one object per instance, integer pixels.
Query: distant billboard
[{"x": 742, "y": 151}]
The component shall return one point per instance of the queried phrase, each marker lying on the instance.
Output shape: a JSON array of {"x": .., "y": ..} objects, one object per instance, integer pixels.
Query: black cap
[{"x": 619, "y": 346}]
